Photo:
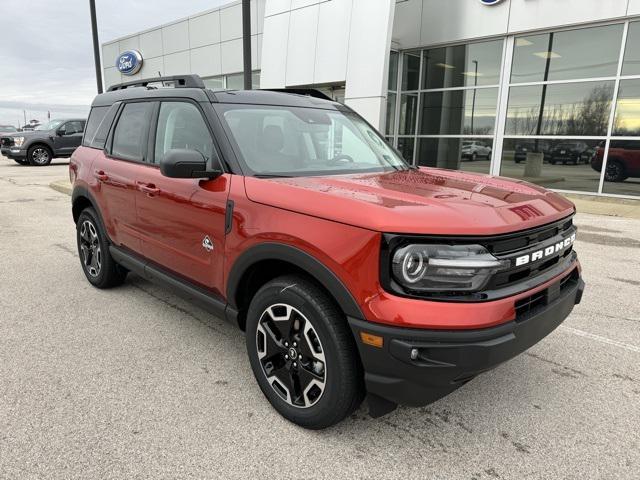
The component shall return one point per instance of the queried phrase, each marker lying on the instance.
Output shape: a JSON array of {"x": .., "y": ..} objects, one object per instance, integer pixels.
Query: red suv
[{"x": 350, "y": 271}]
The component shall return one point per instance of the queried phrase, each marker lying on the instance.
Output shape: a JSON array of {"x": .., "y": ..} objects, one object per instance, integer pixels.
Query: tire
[
  {"x": 615, "y": 171},
  {"x": 308, "y": 325},
  {"x": 93, "y": 249},
  {"x": 21, "y": 161},
  {"x": 39, "y": 156}
]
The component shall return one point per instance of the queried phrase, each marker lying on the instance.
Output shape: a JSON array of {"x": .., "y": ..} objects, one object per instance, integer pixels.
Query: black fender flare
[
  {"x": 299, "y": 258},
  {"x": 79, "y": 192}
]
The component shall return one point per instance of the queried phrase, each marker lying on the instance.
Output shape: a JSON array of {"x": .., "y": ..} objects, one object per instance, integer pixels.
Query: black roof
[{"x": 191, "y": 89}]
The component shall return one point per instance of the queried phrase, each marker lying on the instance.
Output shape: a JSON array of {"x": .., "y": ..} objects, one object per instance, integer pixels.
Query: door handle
[
  {"x": 148, "y": 188},
  {"x": 100, "y": 175}
]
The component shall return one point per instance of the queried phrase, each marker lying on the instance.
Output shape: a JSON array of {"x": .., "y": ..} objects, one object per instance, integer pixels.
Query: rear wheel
[
  {"x": 39, "y": 156},
  {"x": 93, "y": 248},
  {"x": 302, "y": 353}
]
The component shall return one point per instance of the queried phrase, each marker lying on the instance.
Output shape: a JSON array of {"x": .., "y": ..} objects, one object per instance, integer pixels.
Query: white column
[{"x": 368, "y": 60}]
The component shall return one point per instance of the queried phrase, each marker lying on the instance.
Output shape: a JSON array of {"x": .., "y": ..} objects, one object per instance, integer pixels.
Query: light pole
[
  {"x": 96, "y": 45},
  {"x": 473, "y": 105}
]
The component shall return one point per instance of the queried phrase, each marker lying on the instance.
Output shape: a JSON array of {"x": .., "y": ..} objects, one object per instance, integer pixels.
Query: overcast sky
[{"x": 46, "y": 54}]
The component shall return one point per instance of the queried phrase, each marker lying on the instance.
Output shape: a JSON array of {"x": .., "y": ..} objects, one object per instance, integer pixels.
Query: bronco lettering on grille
[{"x": 545, "y": 252}]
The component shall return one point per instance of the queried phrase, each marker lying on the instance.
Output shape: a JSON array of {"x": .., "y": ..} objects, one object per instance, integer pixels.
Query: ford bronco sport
[{"x": 350, "y": 271}]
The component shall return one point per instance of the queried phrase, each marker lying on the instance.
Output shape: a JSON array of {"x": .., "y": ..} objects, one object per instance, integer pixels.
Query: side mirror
[
  {"x": 182, "y": 163},
  {"x": 60, "y": 132}
]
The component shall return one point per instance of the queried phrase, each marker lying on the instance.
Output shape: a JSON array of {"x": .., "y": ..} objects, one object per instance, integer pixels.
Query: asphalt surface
[{"x": 136, "y": 383}]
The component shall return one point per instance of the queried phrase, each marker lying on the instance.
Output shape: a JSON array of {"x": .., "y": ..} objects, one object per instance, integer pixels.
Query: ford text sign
[{"x": 129, "y": 62}]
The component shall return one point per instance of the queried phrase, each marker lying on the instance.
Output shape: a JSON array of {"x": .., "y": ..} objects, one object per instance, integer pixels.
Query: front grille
[
  {"x": 516, "y": 277},
  {"x": 528, "y": 306},
  {"x": 512, "y": 248}
]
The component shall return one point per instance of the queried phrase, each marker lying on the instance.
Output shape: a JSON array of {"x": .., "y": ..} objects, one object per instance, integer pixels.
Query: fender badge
[{"x": 207, "y": 244}]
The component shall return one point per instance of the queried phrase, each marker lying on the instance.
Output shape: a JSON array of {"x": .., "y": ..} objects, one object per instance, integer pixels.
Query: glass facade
[
  {"x": 560, "y": 109},
  {"x": 231, "y": 82}
]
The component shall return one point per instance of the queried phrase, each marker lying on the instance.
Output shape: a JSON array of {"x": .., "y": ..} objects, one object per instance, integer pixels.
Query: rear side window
[
  {"x": 181, "y": 126},
  {"x": 95, "y": 119},
  {"x": 130, "y": 134}
]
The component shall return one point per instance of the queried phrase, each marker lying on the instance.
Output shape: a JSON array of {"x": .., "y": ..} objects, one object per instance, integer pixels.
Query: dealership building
[{"x": 543, "y": 90}]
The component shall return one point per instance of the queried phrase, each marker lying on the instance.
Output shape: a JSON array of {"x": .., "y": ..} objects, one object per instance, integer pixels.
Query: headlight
[
  {"x": 437, "y": 268},
  {"x": 18, "y": 141}
]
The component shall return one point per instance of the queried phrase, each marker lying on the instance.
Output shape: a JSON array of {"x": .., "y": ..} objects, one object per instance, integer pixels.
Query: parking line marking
[{"x": 598, "y": 338}]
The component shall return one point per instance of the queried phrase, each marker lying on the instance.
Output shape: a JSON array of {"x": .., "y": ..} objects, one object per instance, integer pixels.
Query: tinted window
[
  {"x": 584, "y": 53},
  {"x": 563, "y": 109},
  {"x": 411, "y": 71},
  {"x": 454, "y": 112},
  {"x": 628, "y": 109},
  {"x": 130, "y": 135},
  {"x": 181, "y": 126},
  {"x": 95, "y": 119},
  {"x": 632, "y": 55},
  {"x": 462, "y": 65}
]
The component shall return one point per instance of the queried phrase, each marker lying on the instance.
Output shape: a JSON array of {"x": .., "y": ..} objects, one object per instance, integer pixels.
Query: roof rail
[
  {"x": 309, "y": 92},
  {"x": 179, "y": 81}
]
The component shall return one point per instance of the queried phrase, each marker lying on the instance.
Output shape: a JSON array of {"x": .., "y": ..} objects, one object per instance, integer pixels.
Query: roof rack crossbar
[{"x": 178, "y": 81}]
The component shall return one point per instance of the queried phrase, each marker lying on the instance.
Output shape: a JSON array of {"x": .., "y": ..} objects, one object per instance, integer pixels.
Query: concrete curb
[{"x": 62, "y": 186}]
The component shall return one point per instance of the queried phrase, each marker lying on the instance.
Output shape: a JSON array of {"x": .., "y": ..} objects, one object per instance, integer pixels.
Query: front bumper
[
  {"x": 13, "y": 153},
  {"x": 444, "y": 360}
]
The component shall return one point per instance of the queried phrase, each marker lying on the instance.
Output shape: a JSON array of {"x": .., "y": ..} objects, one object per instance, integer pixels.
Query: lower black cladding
[{"x": 417, "y": 367}]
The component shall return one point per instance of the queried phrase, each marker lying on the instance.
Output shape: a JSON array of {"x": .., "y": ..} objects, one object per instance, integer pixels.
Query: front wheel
[
  {"x": 302, "y": 353},
  {"x": 39, "y": 156}
]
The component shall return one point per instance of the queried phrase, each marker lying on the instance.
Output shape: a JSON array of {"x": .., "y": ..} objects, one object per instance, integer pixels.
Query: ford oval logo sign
[
  {"x": 129, "y": 62},
  {"x": 490, "y": 2}
]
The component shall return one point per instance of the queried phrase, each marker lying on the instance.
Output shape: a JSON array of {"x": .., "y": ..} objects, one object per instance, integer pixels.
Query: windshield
[
  {"x": 52, "y": 125},
  {"x": 294, "y": 141}
]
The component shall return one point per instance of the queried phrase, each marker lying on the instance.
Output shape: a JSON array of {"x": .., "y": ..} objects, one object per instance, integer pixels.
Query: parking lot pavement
[{"x": 136, "y": 383}]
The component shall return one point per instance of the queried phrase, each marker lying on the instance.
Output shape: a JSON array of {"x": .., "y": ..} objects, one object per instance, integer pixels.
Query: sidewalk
[{"x": 613, "y": 207}]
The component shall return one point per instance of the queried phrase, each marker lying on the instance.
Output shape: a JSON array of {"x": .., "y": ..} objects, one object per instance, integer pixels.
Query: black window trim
[{"x": 151, "y": 142}]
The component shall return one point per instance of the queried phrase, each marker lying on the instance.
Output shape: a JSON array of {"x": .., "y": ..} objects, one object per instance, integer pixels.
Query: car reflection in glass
[
  {"x": 472, "y": 150},
  {"x": 623, "y": 162},
  {"x": 571, "y": 153}
]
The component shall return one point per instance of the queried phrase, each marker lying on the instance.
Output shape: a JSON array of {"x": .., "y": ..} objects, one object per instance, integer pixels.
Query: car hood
[{"x": 421, "y": 201}]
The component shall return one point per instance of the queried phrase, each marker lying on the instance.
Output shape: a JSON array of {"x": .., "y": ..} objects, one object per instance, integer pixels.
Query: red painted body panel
[
  {"x": 629, "y": 157},
  {"x": 338, "y": 220},
  {"x": 424, "y": 201}
]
